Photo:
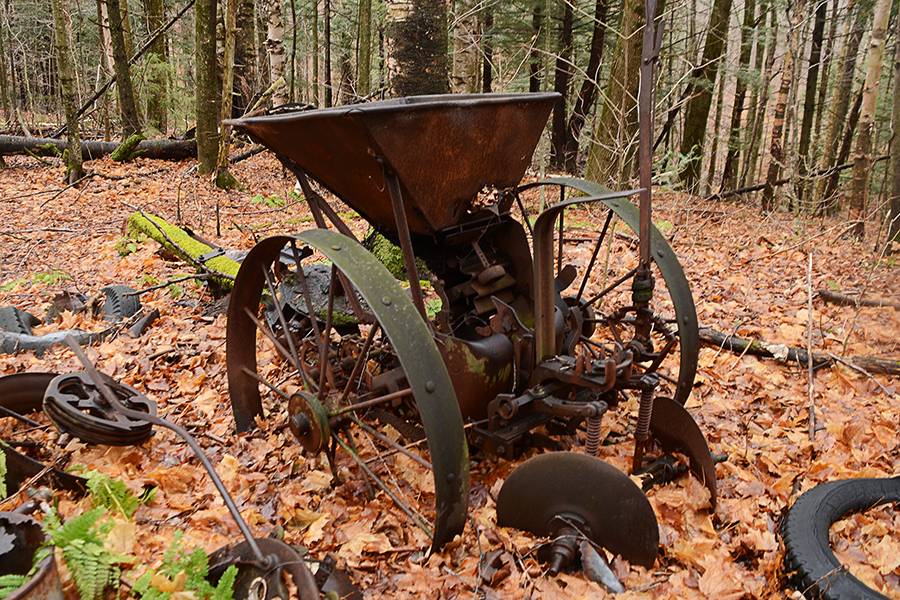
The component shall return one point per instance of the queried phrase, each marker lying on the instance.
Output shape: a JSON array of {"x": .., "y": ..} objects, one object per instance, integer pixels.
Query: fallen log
[
  {"x": 845, "y": 300},
  {"x": 158, "y": 149},
  {"x": 791, "y": 355},
  {"x": 207, "y": 259}
]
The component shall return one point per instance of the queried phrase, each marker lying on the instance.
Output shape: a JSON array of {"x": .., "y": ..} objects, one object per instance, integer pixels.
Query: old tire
[
  {"x": 815, "y": 570},
  {"x": 120, "y": 302},
  {"x": 15, "y": 320}
]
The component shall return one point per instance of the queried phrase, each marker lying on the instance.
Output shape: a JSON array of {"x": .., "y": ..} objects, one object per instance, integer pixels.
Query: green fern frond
[
  {"x": 195, "y": 567},
  {"x": 114, "y": 494},
  {"x": 10, "y": 583}
]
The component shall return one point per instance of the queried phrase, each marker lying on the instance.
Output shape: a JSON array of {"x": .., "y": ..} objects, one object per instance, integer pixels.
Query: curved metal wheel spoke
[
  {"x": 270, "y": 335},
  {"x": 407, "y": 510},
  {"x": 393, "y": 444},
  {"x": 281, "y": 318},
  {"x": 265, "y": 382},
  {"x": 325, "y": 339},
  {"x": 373, "y": 402},
  {"x": 358, "y": 365}
]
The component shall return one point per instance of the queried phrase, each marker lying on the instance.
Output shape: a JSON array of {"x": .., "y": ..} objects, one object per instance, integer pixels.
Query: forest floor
[{"x": 749, "y": 277}]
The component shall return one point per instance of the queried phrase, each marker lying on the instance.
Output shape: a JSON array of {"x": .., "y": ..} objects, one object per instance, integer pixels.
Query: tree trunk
[
  {"x": 487, "y": 46},
  {"x": 857, "y": 17},
  {"x": 562, "y": 77},
  {"x": 760, "y": 98},
  {"x": 825, "y": 74},
  {"x": 127, "y": 34},
  {"x": 66, "y": 72},
  {"x": 131, "y": 121},
  {"x": 157, "y": 79},
  {"x": 465, "y": 48},
  {"x": 863, "y": 160},
  {"x": 729, "y": 169},
  {"x": 292, "y": 97},
  {"x": 275, "y": 50},
  {"x": 416, "y": 47},
  {"x": 205, "y": 81},
  {"x": 809, "y": 98},
  {"x": 714, "y": 147},
  {"x": 776, "y": 151},
  {"x": 364, "y": 54},
  {"x": 315, "y": 53},
  {"x": 894, "y": 214},
  {"x": 245, "y": 69},
  {"x": 701, "y": 84},
  {"x": 224, "y": 179},
  {"x": 5, "y": 98},
  {"x": 610, "y": 156},
  {"x": 588, "y": 92},
  {"x": 535, "y": 59},
  {"x": 327, "y": 43}
]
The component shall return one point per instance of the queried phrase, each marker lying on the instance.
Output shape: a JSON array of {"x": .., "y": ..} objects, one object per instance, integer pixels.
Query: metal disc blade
[
  {"x": 676, "y": 429},
  {"x": 618, "y": 515}
]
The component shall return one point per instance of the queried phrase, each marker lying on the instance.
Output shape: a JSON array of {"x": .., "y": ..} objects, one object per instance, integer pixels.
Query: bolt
[
  {"x": 336, "y": 247},
  {"x": 386, "y": 301},
  {"x": 430, "y": 386}
]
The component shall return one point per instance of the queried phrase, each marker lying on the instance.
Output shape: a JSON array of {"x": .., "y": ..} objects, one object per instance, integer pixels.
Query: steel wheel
[
  {"x": 348, "y": 384},
  {"x": 600, "y": 281}
]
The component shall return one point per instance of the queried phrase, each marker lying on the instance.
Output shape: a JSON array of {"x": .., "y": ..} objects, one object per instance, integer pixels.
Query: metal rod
[
  {"x": 325, "y": 340},
  {"x": 373, "y": 402},
  {"x": 310, "y": 310},
  {"x": 590, "y": 267},
  {"x": 614, "y": 285},
  {"x": 409, "y": 257},
  {"x": 559, "y": 252},
  {"x": 265, "y": 382},
  {"x": 11, "y": 413},
  {"x": 393, "y": 444},
  {"x": 360, "y": 361},
  {"x": 281, "y": 319},
  {"x": 524, "y": 213},
  {"x": 110, "y": 397},
  {"x": 384, "y": 488},
  {"x": 270, "y": 335}
]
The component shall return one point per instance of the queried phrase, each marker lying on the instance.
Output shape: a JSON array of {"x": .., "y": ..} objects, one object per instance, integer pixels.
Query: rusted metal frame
[
  {"x": 672, "y": 273},
  {"x": 407, "y": 510},
  {"x": 409, "y": 257},
  {"x": 562, "y": 214},
  {"x": 544, "y": 319},
  {"x": 597, "y": 246},
  {"x": 524, "y": 212},
  {"x": 110, "y": 397},
  {"x": 423, "y": 367}
]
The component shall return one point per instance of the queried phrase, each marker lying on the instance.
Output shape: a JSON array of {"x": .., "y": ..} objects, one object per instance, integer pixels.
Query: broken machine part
[{"x": 20, "y": 538}]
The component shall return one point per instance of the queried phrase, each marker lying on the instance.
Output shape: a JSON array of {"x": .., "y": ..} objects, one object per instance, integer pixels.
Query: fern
[
  {"x": 114, "y": 494},
  {"x": 10, "y": 583},
  {"x": 80, "y": 539},
  {"x": 193, "y": 567}
]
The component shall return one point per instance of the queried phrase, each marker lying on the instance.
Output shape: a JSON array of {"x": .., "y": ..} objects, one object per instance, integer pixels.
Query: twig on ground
[{"x": 810, "y": 372}]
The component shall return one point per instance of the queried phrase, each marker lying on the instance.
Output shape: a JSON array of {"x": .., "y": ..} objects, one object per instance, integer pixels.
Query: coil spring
[
  {"x": 645, "y": 412},
  {"x": 593, "y": 435}
]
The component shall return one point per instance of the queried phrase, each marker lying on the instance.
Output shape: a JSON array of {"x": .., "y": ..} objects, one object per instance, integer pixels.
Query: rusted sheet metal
[
  {"x": 444, "y": 149},
  {"x": 559, "y": 488},
  {"x": 481, "y": 369},
  {"x": 23, "y": 536},
  {"x": 676, "y": 429}
]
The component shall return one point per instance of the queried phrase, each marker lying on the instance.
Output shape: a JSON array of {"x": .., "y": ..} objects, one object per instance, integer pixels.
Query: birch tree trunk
[
  {"x": 729, "y": 169},
  {"x": 776, "y": 151},
  {"x": 464, "y": 76},
  {"x": 809, "y": 98},
  {"x": 66, "y": 72},
  {"x": 329, "y": 91},
  {"x": 894, "y": 214},
  {"x": 862, "y": 162},
  {"x": 364, "y": 54},
  {"x": 416, "y": 47},
  {"x": 760, "y": 98},
  {"x": 275, "y": 50},
  {"x": 245, "y": 68},
  {"x": 224, "y": 179},
  {"x": 205, "y": 92}
]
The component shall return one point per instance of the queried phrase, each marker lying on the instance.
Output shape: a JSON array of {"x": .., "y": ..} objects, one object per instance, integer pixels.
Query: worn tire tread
[{"x": 809, "y": 560}]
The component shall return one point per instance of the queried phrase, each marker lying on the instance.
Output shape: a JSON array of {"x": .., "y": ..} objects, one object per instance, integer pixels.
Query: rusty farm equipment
[{"x": 492, "y": 342}]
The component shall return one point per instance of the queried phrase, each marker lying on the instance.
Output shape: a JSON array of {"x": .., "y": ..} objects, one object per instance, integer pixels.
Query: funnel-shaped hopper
[{"x": 444, "y": 150}]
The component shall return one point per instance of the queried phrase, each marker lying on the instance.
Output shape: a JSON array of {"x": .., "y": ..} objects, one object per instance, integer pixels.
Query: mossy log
[
  {"x": 177, "y": 241},
  {"x": 127, "y": 149},
  {"x": 158, "y": 149}
]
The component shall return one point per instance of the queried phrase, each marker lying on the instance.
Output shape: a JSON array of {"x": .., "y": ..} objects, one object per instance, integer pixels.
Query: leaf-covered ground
[{"x": 749, "y": 277}]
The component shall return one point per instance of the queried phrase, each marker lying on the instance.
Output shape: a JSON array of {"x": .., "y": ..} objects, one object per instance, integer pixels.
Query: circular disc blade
[
  {"x": 614, "y": 509},
  {"x": 676, "y": 429}
]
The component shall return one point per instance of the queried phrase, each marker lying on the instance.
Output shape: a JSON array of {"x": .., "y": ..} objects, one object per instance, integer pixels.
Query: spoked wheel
[
  {"x": 602, "y": 283},
  {"x": 345, "y": 383}
]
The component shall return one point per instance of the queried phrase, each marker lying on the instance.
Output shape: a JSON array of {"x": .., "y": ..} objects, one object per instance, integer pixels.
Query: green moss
[
  {"x": 391, "y": 255},
  {"x": 185, "y": 247},
  {"x": 125, "y": 151},
  {"x": 226, "y": 181}
]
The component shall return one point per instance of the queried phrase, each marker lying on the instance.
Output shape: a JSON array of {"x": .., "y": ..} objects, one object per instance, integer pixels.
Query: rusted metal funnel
[{"x": 444, "y": 149}]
